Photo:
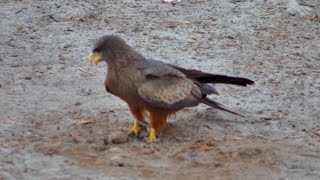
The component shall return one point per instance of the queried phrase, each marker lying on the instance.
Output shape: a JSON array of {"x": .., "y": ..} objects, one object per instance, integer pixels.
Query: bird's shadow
[
  {"x": 186, "y": 125},
  {"x": 212, "y": 115}
]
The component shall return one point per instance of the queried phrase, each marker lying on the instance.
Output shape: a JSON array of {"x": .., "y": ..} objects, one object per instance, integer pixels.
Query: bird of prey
[{"x": 153, "y": 86}]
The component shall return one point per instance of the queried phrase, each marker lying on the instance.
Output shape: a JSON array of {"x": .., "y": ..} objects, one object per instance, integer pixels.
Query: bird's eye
[{"x": 96, "y": 50}]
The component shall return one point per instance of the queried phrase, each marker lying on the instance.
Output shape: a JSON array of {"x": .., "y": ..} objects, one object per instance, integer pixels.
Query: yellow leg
[
  {"x": 152, "y": 137},
  {"x": 135, "y": 128}
]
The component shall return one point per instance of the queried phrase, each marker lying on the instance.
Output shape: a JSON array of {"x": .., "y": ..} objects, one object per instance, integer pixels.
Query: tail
[
  {"x": 214, "y": 78},
  {"x": 216, "y": 105}
]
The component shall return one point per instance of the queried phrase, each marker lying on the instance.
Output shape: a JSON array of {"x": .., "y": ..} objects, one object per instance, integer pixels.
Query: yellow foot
[
  {"x": 152, "y": 137},
  {"x": 135, "y": 128}
]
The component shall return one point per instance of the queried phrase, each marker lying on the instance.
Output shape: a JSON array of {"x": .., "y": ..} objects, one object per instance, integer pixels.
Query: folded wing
[{"x": 170, "y": 92}]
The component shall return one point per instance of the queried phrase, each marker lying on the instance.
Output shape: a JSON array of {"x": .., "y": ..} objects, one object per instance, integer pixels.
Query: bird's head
[{"x": 107, "y": 48}]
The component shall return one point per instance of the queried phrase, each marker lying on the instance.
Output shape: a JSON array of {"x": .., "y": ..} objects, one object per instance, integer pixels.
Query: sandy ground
[{"x": 55, "y": 119}]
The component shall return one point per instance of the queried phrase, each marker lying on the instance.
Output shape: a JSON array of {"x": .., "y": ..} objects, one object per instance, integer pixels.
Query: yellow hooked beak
[{"x": 95, "y": 58}]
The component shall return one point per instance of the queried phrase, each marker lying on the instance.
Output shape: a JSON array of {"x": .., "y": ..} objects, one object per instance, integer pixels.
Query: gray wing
[{"x": 167, "y": 88}]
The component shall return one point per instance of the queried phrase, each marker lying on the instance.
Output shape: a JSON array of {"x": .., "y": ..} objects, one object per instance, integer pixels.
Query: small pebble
[
  {"x": 67, "y": 46},
  {"x": 105, "y": 141},
  {"x": 27, "y": 77},
  {"x": 118, "y": 137}
]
